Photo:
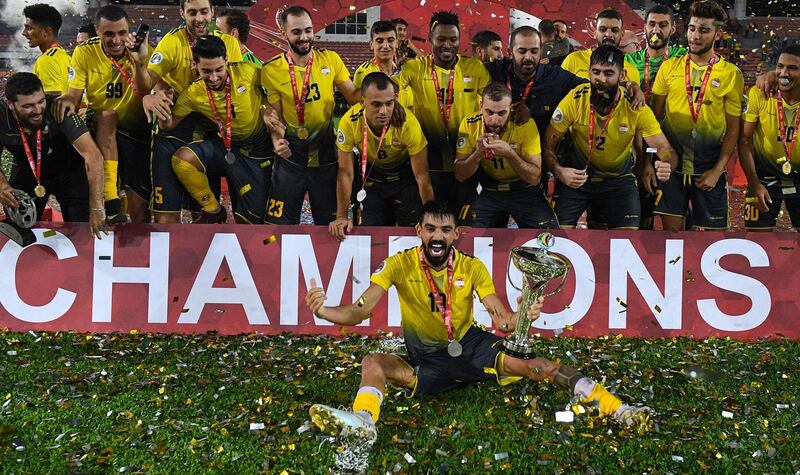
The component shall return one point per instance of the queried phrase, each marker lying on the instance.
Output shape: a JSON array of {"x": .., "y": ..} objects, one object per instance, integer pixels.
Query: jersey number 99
[{"x": 113, "y": 90}]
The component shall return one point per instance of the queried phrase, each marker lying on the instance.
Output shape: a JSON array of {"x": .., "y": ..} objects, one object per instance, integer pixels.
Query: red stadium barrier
[{"x": 240, "y": 279}]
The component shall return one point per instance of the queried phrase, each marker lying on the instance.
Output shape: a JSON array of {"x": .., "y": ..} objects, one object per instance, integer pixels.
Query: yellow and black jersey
[
  {"x": 172, "y": 59},
  {"x": 767, "y": 143},
  {"x": 52, "y": 68},
  {"x": 470, "y": 78},
  {"x": 523, "y": 139},
  {"x": 578, "y": 63},
  {"x": 405, "y": 96},
  {"x": 420, "y": 318},
  {"x": 398, "y": 144},
  {"x": 106, "y": 88},
  {"x": 698, "y": 152},
  {"x": 246, "y": 99},
  {"x": 612, "y": 148}
]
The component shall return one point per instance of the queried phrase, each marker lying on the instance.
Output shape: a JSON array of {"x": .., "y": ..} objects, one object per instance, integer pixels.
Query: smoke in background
[{"x": 20, "y": 55}]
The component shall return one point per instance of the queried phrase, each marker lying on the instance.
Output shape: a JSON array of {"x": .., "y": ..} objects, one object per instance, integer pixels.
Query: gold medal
[
  {"x": 786, "y": 168},
  {"x": 302, "y": 133},
  {"x": 40, "y": 191}
]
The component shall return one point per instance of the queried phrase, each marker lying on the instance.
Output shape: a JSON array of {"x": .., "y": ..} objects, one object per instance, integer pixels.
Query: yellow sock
[
  {"x": 368, "y": 401},
  {"x": 110, "y": 191},
  {"x": 608, "y": 402},
  {"x": 196, "y": 183}
]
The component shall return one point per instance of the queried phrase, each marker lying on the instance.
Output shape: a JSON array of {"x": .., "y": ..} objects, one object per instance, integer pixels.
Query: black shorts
[
  {"x": 70, "y": 188},
  {"x": 168, "y": 195},
  {"x": 437, "y": 371},
  {"x": 528, "y": 206},
  {"x": 709, "y": 208},
  {"x": 291, "y": 181},
  {"x": 391, "y": 202},
  {"x": 247, "y": 176},
  {"x": 780, "y": 190},
  {"x": 616, "y": 195},
  {"x": 458, "y": 195},
  {"x": 133, "y": 150}
]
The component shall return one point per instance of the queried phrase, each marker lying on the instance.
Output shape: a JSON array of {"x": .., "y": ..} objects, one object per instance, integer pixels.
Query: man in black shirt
[{"x": 49, "y": 158}]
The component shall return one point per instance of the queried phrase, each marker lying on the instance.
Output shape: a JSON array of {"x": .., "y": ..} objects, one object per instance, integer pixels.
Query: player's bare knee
[{"x": 185, "y": 154}]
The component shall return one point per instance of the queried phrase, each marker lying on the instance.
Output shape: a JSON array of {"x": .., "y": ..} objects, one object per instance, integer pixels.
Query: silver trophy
[
  {"x": 538, "y": 267},
  {"x": 20, "y": 220}
]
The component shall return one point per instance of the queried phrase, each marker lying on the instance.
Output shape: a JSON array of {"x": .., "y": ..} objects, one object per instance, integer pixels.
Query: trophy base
[
  {"x": 23, "y": 237},
  {"x": 523, "y": 350}
]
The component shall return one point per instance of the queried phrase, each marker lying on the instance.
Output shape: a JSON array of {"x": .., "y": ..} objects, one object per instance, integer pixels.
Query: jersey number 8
[{"x": 114, "y": 90}]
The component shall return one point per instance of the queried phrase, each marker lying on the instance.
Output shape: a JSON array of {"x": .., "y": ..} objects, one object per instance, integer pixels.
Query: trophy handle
[
  {"x": 560, "y": 286},
  {"x": 508, "y": 275}
]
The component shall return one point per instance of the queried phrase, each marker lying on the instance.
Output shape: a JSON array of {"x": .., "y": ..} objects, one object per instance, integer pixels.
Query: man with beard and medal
[
  {"x": 767, "y": 147},
  {"x": 699, "y": 96},
  {"x": 103, "y": 69},
  {"x": 230, "y": 96},
  {"x": 300, "y": 86},
  {"x": 659, "y": 26},
  {"x": 446, "y": 88},
  {"x": 603, "y": 124},
  {"x": 169, "y": 71},
  {"x": 392, "y": 164},
  {"x": 508, "y": 160},
  {"x": 49, "y": 157},
  {"x": 447, "y": 349},
  {"x": 383, "y": 42},
  {"x": 42, "y": 22}
]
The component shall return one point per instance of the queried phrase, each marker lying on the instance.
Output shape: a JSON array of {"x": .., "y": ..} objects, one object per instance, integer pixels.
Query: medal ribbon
[
  {"x": 688, "y": 77},
  {"x": 224, "y": 131},
  {"x": 528, "y": 85},
  {"x": 647, "y": 71},
  {"x": 437, "y": 296},
  {"x": 445, "y": 103},
  {"x": 124, "y": 75},
  {"x": 605, "y": 125},
  {"x": 365, "y": 146},
  {"x": 36, "y": 167},
  {"x": 782, "y": 121},
  {"x": 389, "y": 73},
  {"x": 300, "y": 101}
]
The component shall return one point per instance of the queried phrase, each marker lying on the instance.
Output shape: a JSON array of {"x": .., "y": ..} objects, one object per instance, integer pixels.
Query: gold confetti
[
  {"x": 270, "y": 240},
  {"x": 49, "y": 233}
]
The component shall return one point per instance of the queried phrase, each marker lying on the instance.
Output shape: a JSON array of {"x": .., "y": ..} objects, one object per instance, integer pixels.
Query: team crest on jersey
[
  {"x": 340, "y": 137},
  {"x": 558, "y": 116},
  {"x": 71, "y": 74},
  {"x": 380, "y": 267},
  {"x": 715, "y": 83},
  {"x": 326, "y": 71},
  {"x": 156, "y": 58},
  {"x": 623, "y": 129},
  {"x": 459, "y": 282},
  {"x": 241, "y": 89},
  {"x": 467, "y": 79},
  {"x": 462, "y": 141}
]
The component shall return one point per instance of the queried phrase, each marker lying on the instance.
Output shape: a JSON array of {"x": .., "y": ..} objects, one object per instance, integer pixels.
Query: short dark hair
[
  {"x": 443, "y": 18},
  {"x": 436, "y": 208},
  {"x": 380, "y": 80},
  {"x": 236, "y": 19},
  {"x": 209, "y": 47},
  {"x": 399, "y": 21},
  {"x": 547, "y": 27},
  {"x": 483, "y": 38},
  {"x": 22, "y": 84},
  {"x": 660, "y": 10},
  {"x": 88, "y": 27},
  {"x": 523, "y": 30},
  {"x": 183, "y": 4},
  {"x": 560, "y": 21},
  {"x": 44, "y": 15},
  {"x": 381, "y": 26},
  {"x": 496, "y": 91},
  {"x": 110, "y": 13},
  {"x": 709, "y": 9},
  {"x": 610, "y": 13},
  {"x": 793, "y": 50},
  {"x": 293, "y": 10},
  {"x": 608, "y": 55}
]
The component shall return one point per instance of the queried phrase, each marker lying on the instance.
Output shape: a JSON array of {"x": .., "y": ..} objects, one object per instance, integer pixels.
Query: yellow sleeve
[
  {"x": 412, "y": 135},
  {"x": 482, "y": 78},
  {"x": 345, "y": 139},
  {"x": 733, "y": 99},
  {"x": 631, "y": 73},
  {"x": 50, "y": 72},
  {"x": 77, "y": 69},
  {"x": 647, "y": 125},
  {"x": 563, "y": 117},
  {"x": 273, "y": 95},
  {"x": 232, "y": 48},
  {"x": 531, "y": 144},
  {"x": 341, "y": 74},
  {"x": 466, "y": 143},
  {"x": 483, "y": 284},
  {"x": 660, "y": 86},
  {"x": 162, "y": 61},
  {"x": 406, "y": 75},
  {"x": 754, "y": 104},
  {"x": 386, "y": 274},
  {"x": 358, "y": 77},
  {"x": 569, "y": 63},
  {"x": 183, "y": 106}
]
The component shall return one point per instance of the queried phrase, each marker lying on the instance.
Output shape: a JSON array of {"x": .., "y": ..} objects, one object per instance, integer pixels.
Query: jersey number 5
[{"x": 114, "y": 90}]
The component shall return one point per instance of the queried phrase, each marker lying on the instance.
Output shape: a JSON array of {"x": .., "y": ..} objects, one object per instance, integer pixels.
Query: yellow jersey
[
  {"x": 470, "y": 78},
  {"x": 723, "y": 95},
  {"x": 767, "y": 143},
  {"x": 577, "y": 63},
  {"x": 172, "y": 58},
  {"x": 106, "y": 88},
  {"x": 397, "y": 145},
  {"x": 246, "y": 97},
  {"x": 523, "y": 139},
  {"x": 405, "y": 96},
  {"x": 612, "y": 149},
  {"x": 422, "y": 323},
  {"x": 52, "y": 68}
]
